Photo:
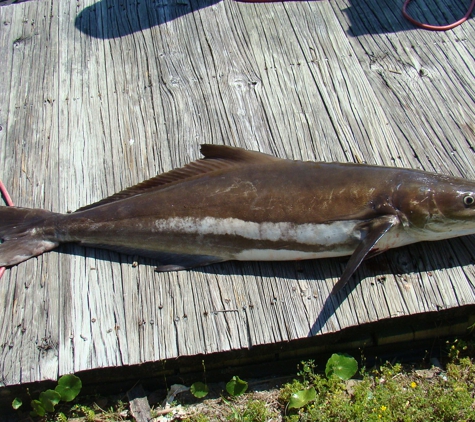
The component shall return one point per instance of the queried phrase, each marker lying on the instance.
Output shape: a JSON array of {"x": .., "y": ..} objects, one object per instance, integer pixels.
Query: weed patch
[{"x": 338, "y": 392}]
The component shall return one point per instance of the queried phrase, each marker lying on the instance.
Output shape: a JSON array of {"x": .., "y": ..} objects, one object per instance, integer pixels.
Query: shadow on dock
[
  {"x": 425, "y": 256},
  {"x": 108, "y": 19}
]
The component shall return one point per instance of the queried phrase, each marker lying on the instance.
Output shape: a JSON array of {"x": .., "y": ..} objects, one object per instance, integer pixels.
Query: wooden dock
[{"x": 96, "y": 96}]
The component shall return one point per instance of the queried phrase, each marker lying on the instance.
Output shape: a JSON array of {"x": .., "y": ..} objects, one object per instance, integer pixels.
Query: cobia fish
[{"x": 245, "y": 205}]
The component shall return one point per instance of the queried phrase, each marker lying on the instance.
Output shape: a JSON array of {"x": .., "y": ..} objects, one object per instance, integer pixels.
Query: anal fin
[
  {"x": 375, "y": 229},
  {"x": 178, "y": 262}
]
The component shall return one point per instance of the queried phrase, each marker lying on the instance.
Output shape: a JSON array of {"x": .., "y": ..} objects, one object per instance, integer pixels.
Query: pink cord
[
  {"x": 9, "y": 202},
  {"x": 5, "y": 194},
  {"x": 436, "y": 27}
]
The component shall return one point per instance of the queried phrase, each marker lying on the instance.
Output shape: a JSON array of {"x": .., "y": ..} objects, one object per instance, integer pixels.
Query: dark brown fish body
[{"x": 243, "y": 205}]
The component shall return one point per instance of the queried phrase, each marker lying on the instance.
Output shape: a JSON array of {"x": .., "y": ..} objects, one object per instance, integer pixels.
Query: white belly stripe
[
  {"x": 327, "y": 234},
  {"x": 285, "y": 255},
  {"x": 332, "y": 239}
]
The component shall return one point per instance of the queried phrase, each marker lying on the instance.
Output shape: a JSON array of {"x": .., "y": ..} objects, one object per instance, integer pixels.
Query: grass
[
  {"x": 388, "y": 392},
  {"x": 391, "y": 393}
]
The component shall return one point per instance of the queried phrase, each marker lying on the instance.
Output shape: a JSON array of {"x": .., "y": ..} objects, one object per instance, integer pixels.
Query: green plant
[
  {"x": 89, "y": 414},
  {"x": 342, "y": 366},
  {"x": 200, "y": 389},
  {"x": 389, "y": 393},
  {"x": 250, "y": 410},
  {"x": 459, "y": 348},
  {"x": 236, "y": 386},
  {"x": 289, "y": 389},
  {"x": 16, "y": 404},
  {"x": 256, "y": 411},
  {"x": 61, "y": 417},
  {"x": 307, "y": 371},
  {"x": 302, "y": 398},
  {"x": 339, "y": 367},
  {"x": 67, "y": 389}
]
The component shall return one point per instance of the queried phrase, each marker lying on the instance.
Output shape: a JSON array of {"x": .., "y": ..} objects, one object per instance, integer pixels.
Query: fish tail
[{"x": 24, "y": 234}]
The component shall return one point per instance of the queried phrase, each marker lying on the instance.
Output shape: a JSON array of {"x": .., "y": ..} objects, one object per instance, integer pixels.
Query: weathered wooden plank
[
  {"x": 5, "y": 74},
  {"x": 423, "y": 83},
  {"x": 318, "y": 56},
  {"x": 30, "y": 127}
]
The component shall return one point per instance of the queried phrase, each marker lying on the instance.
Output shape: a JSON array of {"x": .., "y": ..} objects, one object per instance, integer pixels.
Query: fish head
[
  {"x": 434, "y": 207},
  {"x": 450, "y": 207},
  {"x": 455, "y": 200}
]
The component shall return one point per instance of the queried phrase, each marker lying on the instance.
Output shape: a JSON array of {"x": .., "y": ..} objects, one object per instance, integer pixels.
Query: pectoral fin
[{"x": 375, "y": 230}]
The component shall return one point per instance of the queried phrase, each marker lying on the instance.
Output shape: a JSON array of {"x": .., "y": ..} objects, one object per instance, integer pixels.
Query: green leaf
[
  {"x": 38, "y": 408},
  {"x": 68, "y": 387},
  {"x": 342, "y": 366},
  {"x": 49, "y": 399},
  {"x": 16, "y": 403},
  {"x": 236, "y": 386},
  {"x": 302, "y": 398},
  {"x": 199, "y": 390}
]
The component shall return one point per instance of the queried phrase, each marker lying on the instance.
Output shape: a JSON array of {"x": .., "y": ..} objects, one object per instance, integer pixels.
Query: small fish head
[
  {"x": 456, "y": 201},
  {"x": 453, "y": 209},
  {"x": 433, "y": 207}
]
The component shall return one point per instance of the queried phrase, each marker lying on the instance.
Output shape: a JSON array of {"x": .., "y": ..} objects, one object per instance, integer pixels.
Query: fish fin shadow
[
  {"x": 413, "y": 259},
  {"x": 165, "y": 261},
  {"x": 407, "y": 264}
]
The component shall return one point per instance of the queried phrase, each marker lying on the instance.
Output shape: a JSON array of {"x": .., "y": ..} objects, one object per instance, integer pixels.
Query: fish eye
[{"x": 468, "y": 200}]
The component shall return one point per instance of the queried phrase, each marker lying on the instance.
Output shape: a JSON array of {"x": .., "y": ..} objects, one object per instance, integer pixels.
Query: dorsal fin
[
  {"x": 235, "y": 154},
  {"x": 216, "y": 157}
]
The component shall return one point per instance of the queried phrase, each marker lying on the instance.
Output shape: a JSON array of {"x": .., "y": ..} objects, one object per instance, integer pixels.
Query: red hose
[
  {"x": 436, "y": 27},
  {"x": 9, "y": 202},
  {"x": 405, "y": 14}
]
